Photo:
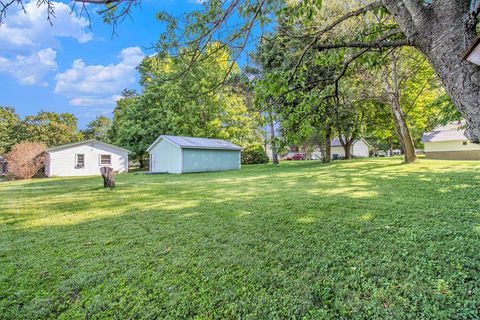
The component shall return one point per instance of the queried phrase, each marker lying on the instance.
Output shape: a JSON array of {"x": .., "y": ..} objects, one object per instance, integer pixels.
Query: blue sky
[{"x": 69, "y": 67}]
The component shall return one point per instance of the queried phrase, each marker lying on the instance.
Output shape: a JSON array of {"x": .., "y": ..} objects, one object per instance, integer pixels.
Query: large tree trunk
[
  {"x": 346, "y": 144},
  {"x": 443, "y": 31},
  {"x": 348, "y": 149},
  {"x": 399, "y": 120},
  {"x": 403, "y": 133},
  {"x": 142, "y": 162},
  {"x": 327, "y": 158},
  {"x": 272, "y": 141}
]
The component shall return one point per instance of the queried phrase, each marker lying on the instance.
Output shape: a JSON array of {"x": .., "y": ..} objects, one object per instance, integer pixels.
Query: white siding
[
  {"x": 359, "y": 149},
  {"x": 338, "y": 151},
  {"x": 450, "y": 146},
  {"x": 62, "y": 162},
  {"x": 167, "y": 158}
]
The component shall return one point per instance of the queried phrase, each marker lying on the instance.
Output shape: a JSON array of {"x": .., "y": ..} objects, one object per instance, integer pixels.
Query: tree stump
[{"x": 107, "y": 175}]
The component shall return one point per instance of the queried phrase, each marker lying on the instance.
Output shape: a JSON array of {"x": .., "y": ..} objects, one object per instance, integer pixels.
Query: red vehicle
[{"x": 294, "y": 156}]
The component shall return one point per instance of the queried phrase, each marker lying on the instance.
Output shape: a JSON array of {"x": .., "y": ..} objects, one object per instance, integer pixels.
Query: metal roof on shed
[
  {"x": 197, "y": 143},
  {"x": 447, "y": 135},
  {"x": 453, "y": 131}
]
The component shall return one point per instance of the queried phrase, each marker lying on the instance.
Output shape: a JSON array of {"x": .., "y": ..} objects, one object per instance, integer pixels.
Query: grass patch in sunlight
[{"x": 361, "y": 239}]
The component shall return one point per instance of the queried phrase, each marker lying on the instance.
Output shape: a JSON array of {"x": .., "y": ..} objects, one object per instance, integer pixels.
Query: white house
[
  {"x": 450, "y": 143},
  {"x": 85, "y": 159},
  {"x": 360, "y": 149},
  {"x": 176, "y": 154}
]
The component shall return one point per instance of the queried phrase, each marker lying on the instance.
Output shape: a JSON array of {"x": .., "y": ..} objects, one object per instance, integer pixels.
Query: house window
[
  {"x": 105, "y": 159},
  {"x": 80, "y": 163},
  {"x": 465, "y": 143}
]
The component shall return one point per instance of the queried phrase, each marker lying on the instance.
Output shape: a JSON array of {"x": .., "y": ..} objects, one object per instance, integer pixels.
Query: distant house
[
  {"x": 394, "y": 152},
  {"x": 360, "y": 149},
  {"x": 450, "y": 143},
  {"x": 85, "y": 159},
  {"x": 176, "y": 154}
]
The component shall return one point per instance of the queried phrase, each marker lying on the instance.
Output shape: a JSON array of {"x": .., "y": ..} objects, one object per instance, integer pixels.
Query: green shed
[{"x": 176, "y": 154}]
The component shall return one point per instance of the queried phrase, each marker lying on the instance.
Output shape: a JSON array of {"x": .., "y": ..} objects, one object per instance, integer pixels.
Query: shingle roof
[
  {"x": 445, "y": 135},
  {"x": 336, "y": 142},
  {"x": 453, "y": 131},
  {"x": 63, "y": 146},
  {"x": 197, "y": 143}
]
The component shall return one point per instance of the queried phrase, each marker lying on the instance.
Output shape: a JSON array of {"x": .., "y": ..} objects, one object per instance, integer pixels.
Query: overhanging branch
[
  {"x": 373, "y": 44},
  {"x": 319, "y": 34}
]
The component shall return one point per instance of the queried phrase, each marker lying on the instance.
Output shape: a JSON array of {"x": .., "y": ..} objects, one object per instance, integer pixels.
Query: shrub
[
  {"x": 254, "y": 154},
  {"x": 26, "y": 159}
]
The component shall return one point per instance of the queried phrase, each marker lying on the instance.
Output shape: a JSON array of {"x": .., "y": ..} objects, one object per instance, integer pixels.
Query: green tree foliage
[
  {"x": 98, "y": 129},
  {"x": 184, "y": 105},
  {"x": 254, "y": 154},
  {"x": 50, "y": 128},
  {"x": 351, "y": 102},
  {"x": 9, "y": 122}
]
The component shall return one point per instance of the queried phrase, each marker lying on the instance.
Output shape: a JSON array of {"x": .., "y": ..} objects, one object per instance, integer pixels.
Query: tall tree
[
  {"x": 393, "y": 91},
  {"x": 98, "y": 129},
  {"x": 50, "y": 128},
  {"x": 441, "y": 29},
  {"x": 9, "y": 122},
  {"x": 176, "y": 106}
]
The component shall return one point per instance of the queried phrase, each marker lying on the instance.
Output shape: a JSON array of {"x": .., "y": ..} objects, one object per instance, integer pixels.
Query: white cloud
[
  {"x": 87, "y": 101},
  {"x": 30, "y": 70},
  {"x": 95, "y": 85},
  {"x": 28, "y": 40},
  {"x": 32, "y": 31}
]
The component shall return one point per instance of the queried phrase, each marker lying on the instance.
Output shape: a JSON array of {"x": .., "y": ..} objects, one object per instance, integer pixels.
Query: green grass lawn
[{"x": 361, "y": 239}]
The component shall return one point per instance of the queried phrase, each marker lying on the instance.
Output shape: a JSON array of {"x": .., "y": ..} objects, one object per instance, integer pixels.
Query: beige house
[{"x": 449, "y": 143}]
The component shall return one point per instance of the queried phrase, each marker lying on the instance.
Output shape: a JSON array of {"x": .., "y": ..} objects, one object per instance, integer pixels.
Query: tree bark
[
  {"x": 347, "y": 147},
  {"x": 107, "y": 175},
  {"x": 400, "y": 123},
  {"x": 327, "y": 158},
  {"x": 348, "y": 150},
  {"x": 443, "y": 31},
  {"x": 272, "y": 141},
  {"x": 346, "y": 144},
  {"x": 141, "y": 162}
]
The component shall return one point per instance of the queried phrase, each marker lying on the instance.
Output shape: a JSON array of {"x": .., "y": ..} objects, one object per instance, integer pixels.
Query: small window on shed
[
  {"x": 80, "y": 161},
  {"x": 105, "y": 159},
  {"x": 465, "y": 143}
]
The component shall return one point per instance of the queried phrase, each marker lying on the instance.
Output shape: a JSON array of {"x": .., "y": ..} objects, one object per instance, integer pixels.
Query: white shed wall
[
  {"x": 165, "y": 157},
  {"x": 360, "y": 149},
  {"x": 62, "y": 162},
  {"x": 339, "y": 151}
]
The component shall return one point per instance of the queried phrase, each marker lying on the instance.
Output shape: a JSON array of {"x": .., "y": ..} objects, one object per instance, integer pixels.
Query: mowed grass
[{"x": 361, "y": 239}]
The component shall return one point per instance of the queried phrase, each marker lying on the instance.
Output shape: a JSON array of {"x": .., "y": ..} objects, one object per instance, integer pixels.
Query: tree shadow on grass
[{"x": 304, "y": 241}]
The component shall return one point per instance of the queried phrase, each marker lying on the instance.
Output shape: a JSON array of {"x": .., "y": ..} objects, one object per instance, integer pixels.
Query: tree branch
[
  {"x": 319, "y": 34},
  {"x": 374, "y": 44}
]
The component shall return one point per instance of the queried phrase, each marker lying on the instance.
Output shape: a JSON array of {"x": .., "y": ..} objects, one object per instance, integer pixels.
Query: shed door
[{"x": 152, "y": 162}]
